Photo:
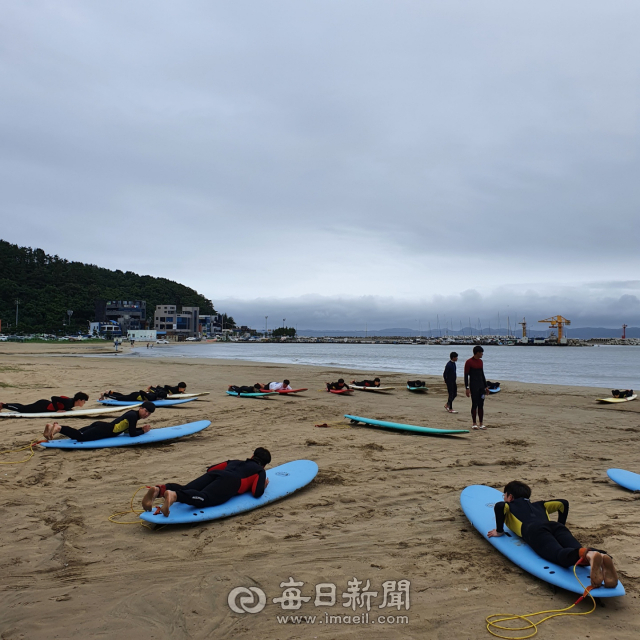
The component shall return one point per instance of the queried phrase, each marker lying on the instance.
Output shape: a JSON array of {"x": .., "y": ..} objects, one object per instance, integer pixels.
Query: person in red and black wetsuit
[
  {"x": 57, "y": 403},
  {"x": 220, "y": 483},
  {"x": 367, "y": 383},
  {"x": 476, "y": 386},
  {"x": 99, "y": 430},
  {"x": 551, "y": 540}
]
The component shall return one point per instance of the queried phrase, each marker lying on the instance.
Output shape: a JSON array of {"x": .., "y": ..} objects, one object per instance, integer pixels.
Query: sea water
[{"x": 610, "y": 367}]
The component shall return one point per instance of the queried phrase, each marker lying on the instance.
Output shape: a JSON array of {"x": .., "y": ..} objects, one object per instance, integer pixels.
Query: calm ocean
[{"x": 611, "y": 367}]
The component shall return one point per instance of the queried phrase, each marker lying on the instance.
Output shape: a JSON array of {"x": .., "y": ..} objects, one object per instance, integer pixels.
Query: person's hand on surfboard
[
  {"x": 146, "y": 428},
  {"x": 494, "y": 534}
]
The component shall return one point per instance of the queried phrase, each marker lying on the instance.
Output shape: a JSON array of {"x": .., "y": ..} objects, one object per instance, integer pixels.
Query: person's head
[
  {"x": 341, "y": 381},
  {"x": 181, "y": 387},
  {"x": 516, "y": 489},
  {"x": 478, "y": 351},
  {"x": 286, "y": 383},
  {"x": 146, "y": 409},
  {"x": 453, "y": 355},
  {"x": 80, "y": 398},
  {"x": 261, "y": 456},
  {"x": 377, "y": 381}
]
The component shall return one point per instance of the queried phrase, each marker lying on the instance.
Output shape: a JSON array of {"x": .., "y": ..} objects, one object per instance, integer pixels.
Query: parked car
[
  {"x": 162, "y": 341},
  {"x": 192, "y": 339}
]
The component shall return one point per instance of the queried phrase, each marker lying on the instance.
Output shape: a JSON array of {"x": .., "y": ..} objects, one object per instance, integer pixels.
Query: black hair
[
  {"x": 262, "y": 456},
  {"x": 477, "y": 349},
  {"x": 182, "y": 385},
  {"x": 340, "y": 380},
  {"x": 453, "y": 355},
  {"x": 286, "y": 382},
  {"x": 376, "y": 379},
  {"x": 518, "y": 489},
  {"x": 81, "y": 395},
  {"x": 149, "y": 406}
]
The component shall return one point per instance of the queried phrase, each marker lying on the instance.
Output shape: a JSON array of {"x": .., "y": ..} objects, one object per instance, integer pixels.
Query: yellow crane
[
  {"x": 557, "y": 322},
  {"x": 524, "y": 327}
]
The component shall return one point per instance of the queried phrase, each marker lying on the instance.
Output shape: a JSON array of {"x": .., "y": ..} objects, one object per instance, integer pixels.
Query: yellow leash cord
[
  {"x": 27, "y": 446},
  {"x": 113, "y": 516},
  {"x": 555, "y": 613}
]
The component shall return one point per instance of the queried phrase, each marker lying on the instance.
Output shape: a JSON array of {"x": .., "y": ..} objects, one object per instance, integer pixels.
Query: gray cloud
[{"x": 367, "y": 150}]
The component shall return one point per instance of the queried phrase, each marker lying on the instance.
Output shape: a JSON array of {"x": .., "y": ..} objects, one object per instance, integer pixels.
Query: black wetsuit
[
  {"x": 337, "y": 386},
  {"x": 57, "y": 403},
  {"x": 416, "y": 383},
  {"x": 100, "y": 430},
  {"x": 475, "y": 381},
  {"x": 168, "y": 389},
  {"x": 138, "y": 396},
  {"x": 530, "y": 520},
  {"x": 240, "y": 390},
  {"x": 367, "y": 383},
  {"x": 222, "y": 482},
  {"x": 450, "y": 376}
]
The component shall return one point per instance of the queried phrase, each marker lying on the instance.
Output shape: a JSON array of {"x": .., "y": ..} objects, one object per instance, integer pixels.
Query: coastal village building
[
  {"x": 127, "y": 314},
  {"x": 181, "y": 325}
]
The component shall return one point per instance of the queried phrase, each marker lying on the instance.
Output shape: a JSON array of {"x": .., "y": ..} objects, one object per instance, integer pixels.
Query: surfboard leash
[
  {"x": 29, "y": 446},
  {"x": 119, "y": 514},
  {"x": 494, "y": 619}
]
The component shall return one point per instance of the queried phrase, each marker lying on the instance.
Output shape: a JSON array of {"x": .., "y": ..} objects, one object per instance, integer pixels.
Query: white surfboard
[
  {"x": 613, "y": 400},
  {"x": 74, "y": 413}
]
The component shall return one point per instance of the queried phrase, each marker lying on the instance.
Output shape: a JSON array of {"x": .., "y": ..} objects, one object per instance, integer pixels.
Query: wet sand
[{"x": 384, "y": 506}]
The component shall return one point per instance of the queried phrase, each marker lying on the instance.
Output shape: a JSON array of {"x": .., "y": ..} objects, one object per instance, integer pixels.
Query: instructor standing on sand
[
  {"x": 476, "y": 386},
  {"x": 450, "y": 376}
]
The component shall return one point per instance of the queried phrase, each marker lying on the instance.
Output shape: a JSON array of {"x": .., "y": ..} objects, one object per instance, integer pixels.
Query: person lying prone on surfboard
[
  {"x": 337, "y": 386},
  {"x": 551, "y": 540},
  {"x": 626, "y": 393},
  {"x": 134, "y": 396},
  {"x": 181, "y": 387},
  {"x": 285, "y": 385},
  {"x": 56, "y": 404},
  {"x": 416, "y": 383},
  {"x": 256, "y": 388},
  {"x": 367, "y": 383},
  {"x": 220, "y": 483},
  {"x": 99, "y": 430}
]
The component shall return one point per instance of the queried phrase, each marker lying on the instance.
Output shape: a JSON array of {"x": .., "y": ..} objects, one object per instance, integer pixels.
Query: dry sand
[{"x": 384, "y": 506}]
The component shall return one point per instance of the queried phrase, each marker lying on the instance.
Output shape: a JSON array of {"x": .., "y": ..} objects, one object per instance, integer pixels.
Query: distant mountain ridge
[
  {"x": 47, "y": 286},
  {"x": 583, "y": 333}
]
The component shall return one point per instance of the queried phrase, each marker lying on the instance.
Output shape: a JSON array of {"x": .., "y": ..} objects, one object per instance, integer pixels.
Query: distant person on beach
[
  {"x": 256, "y": 388},
  {"x": 627, "y": 393},
  {"x": 416, "y": 383},
  {"x": 337, "y": 386},
  {"x": 134, "y": 396},
  {"x": 181, "y": 387},
  {"x": 476, "y": 386},
  {"x": 285, "y": 385},
  {"x": 450, "y": 376},
  {"x": 57, "y": 403},
  {"x": 218, "y": 485},
  {"x": 551, "y": 540},
  {"x": 367, "y": 383},
  {"x": 99, "y": 430}
]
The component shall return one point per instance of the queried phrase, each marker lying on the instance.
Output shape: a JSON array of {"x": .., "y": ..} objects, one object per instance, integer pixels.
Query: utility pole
[
  {"x": 17, "y": 303},
  {"x": 265, "y": 326}
]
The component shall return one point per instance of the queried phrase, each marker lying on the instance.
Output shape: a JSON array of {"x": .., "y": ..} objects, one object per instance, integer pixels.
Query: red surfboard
[
  {"x": 283, "y": 391},
  {"x": 342, "y": 391}
]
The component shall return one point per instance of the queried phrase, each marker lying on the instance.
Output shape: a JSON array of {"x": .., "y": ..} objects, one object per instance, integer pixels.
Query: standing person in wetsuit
[
  {"x": 551, "y": 540},
  {"x": 367, "y": 383},
  {"x": 476, "y": 386},
  {"x": 220, "y": 483},
  {"x": 99, "y": 430},
  {"x": 57, "y": 403},
  {"x": 450, "y": 376}
]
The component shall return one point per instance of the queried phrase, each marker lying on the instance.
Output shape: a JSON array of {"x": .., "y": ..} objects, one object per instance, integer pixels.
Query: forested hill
[{"x": 48, "y": 285}]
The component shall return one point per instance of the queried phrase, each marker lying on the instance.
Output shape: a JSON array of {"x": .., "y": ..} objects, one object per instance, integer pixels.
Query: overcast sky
[{"x": 334, "y": 162}]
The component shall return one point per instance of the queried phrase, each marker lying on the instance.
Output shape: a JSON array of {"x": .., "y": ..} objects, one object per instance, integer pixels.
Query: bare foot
[
  {"x": 149, "y": 497},
  {"x": 597, "y": 570},
  {"x": 169, "y": 498},
  {"x": 610, "y": 573},
  {"x": 47, "y": 431},
  {"x": 102, "y": 395}
]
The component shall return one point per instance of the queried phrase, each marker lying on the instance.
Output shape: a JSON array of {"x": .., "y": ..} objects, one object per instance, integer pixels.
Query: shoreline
[{"x": 384, "y": 506}]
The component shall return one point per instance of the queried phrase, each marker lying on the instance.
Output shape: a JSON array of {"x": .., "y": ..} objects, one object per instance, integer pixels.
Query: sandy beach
[{"x": 384, "y": 506}]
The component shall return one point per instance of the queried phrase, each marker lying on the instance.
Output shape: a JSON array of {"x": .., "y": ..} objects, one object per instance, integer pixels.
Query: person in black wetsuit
[
  {"x": 220, "y": 483},
  {"x": 181, "y": 387},
  {"x": 625, "y": 393},
  {"x": 57, "y": 403},
  {"x": 476, "y": 386},
  {"x": 337, "y": 386},
  {"x": 99, "y": 430},
  {"x": 367, "y": 383},
  {"x": 135, "y": 396},
  {"x": 551, "y": 540},
  {"x": 416, "y": 383},
  {"x": 450, "y": 376}
]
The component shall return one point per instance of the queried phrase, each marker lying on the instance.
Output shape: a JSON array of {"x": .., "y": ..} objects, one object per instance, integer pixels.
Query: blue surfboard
[
  {"x": 125, "y": 440},
  {"x": 283, "y": 480},
  {"x": 477, "y": 502},
  {"x": 253, "y": 395},
  {"x": 626, "y": 479},
  {"x": 417, "y": 388},
  {"x": 496, "y": 390},
  {"x": 158, "y": 403},
  {"x": 405, "y": 427}
]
